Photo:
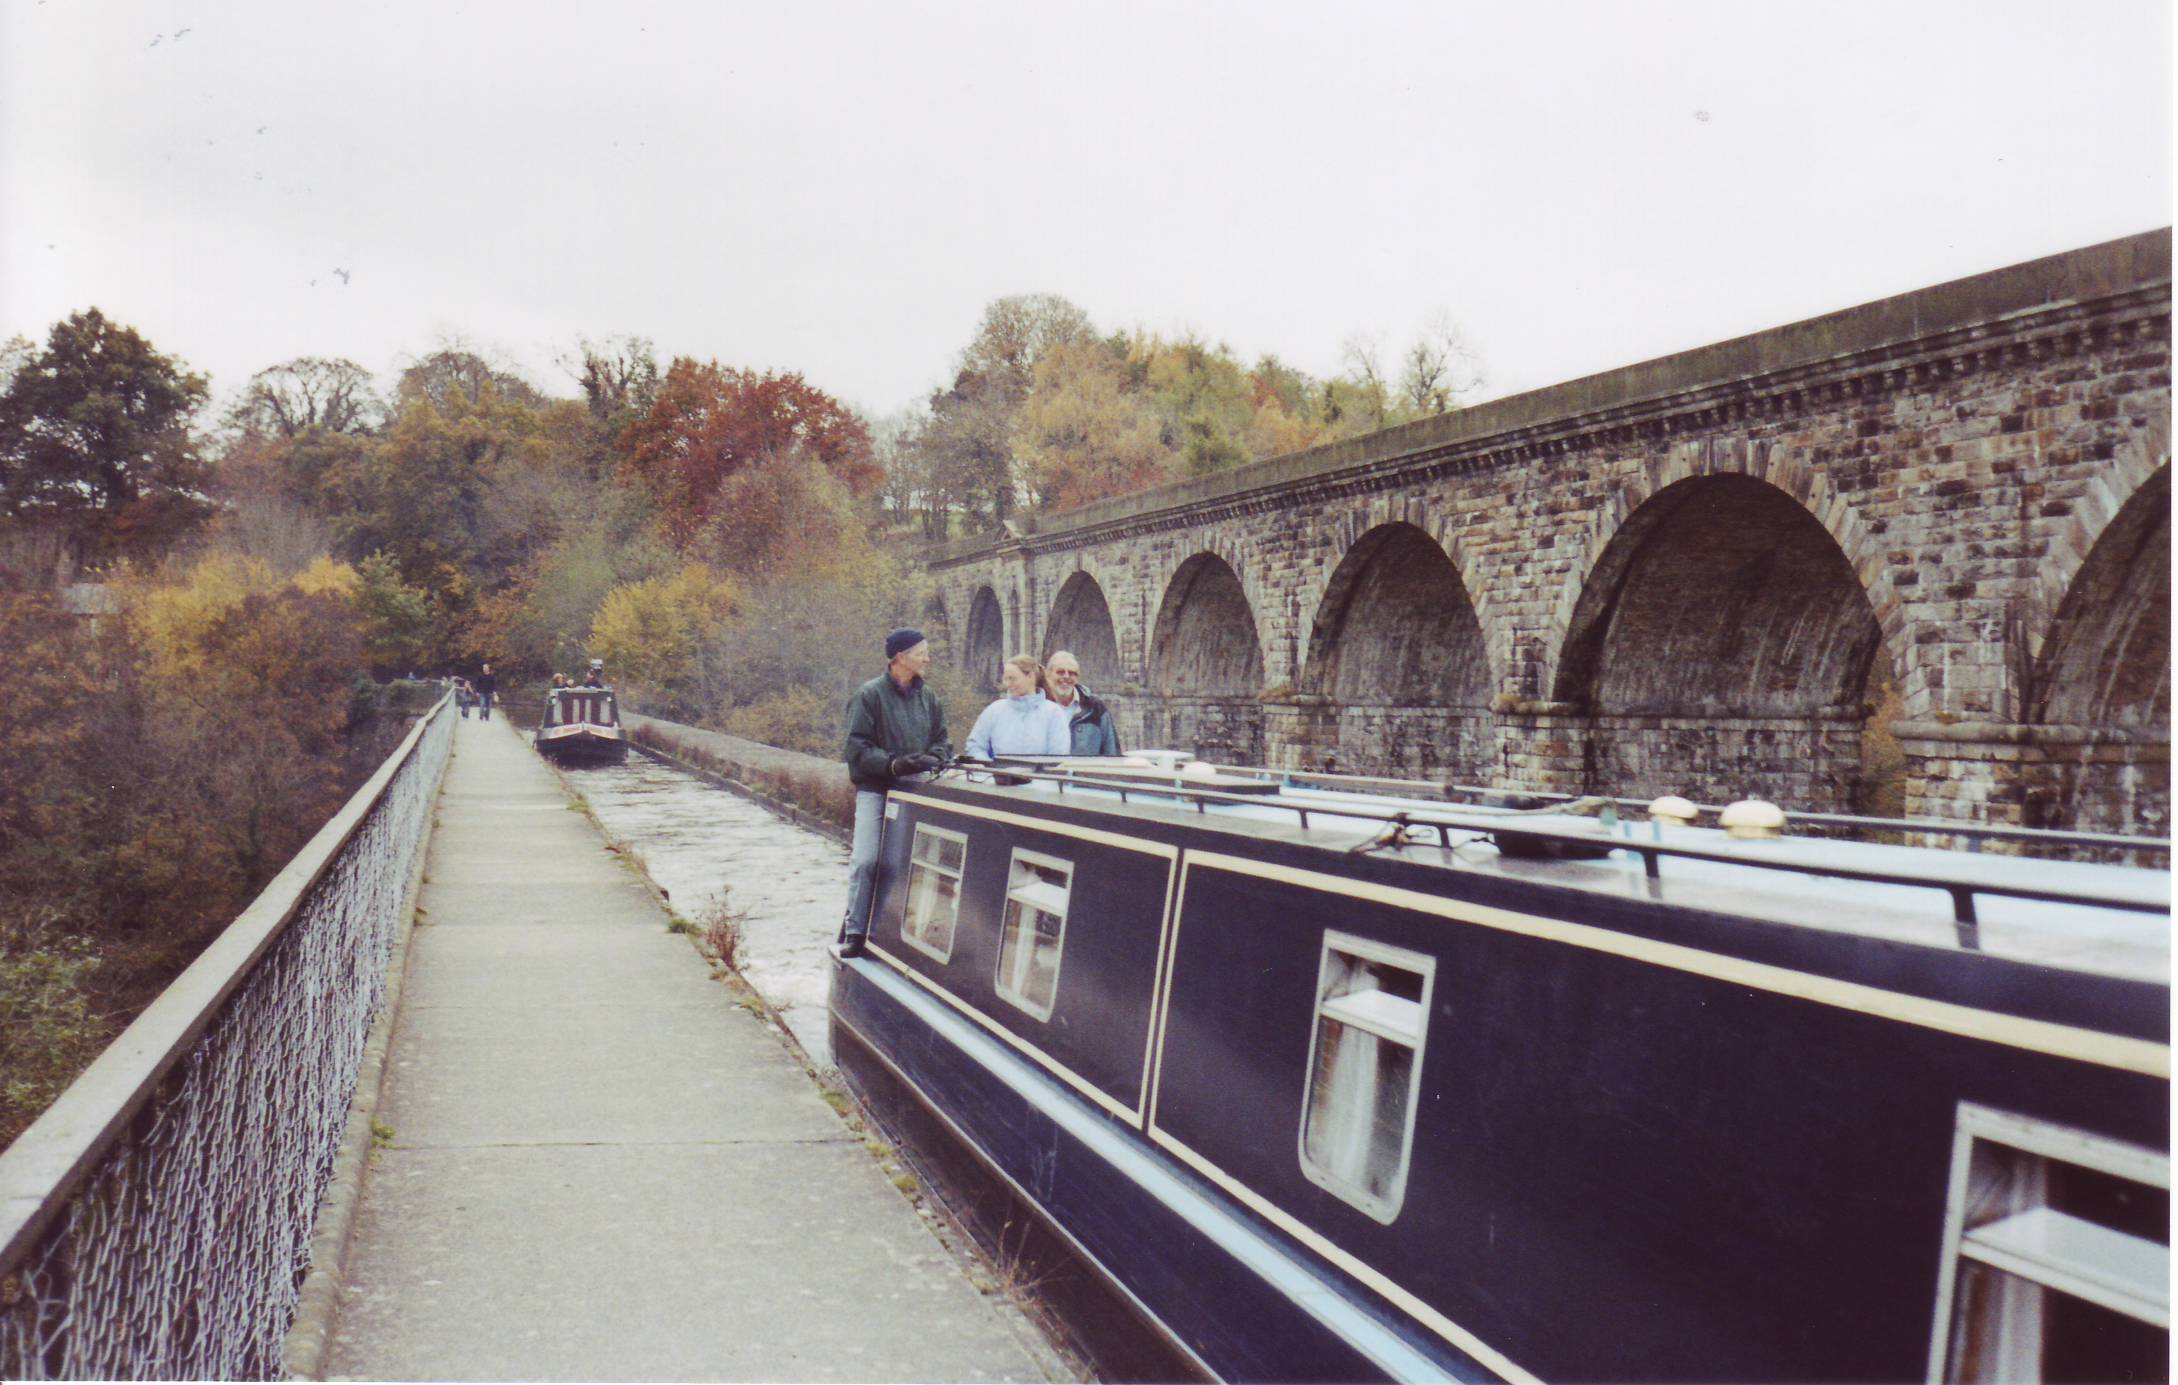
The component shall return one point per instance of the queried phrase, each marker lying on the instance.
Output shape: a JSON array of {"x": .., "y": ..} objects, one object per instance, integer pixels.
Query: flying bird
[{"x": 343, "y": 275}]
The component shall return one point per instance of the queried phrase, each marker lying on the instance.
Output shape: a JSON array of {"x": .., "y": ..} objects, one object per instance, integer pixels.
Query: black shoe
[{"x": 854, "y": 944}]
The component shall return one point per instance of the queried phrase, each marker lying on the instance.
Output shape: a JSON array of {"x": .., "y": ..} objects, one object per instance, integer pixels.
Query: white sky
[{"x": 839, "y": 188}]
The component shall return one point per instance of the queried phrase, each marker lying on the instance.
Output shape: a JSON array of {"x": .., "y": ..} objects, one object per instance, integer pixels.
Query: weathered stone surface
[{"x": 1712, "y": 569}]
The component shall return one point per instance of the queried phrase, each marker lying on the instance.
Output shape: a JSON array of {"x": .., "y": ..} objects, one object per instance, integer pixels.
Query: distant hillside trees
[{"x": 1044, "y": 412}]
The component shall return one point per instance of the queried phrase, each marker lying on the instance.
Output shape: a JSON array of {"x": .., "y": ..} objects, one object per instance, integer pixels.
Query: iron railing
[{"x": 156, "y": 1221}]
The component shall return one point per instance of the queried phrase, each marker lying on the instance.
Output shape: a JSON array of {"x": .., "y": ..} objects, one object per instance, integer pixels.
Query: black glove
[
  {"x": 913, "y": 764},
  {"x": 925, "y": 762}
]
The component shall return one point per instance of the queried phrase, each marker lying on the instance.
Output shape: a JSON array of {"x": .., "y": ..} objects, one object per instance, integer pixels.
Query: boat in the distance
[
  {"x": 1341, "y": 1085},
  {"x": 581, "y": 726}
]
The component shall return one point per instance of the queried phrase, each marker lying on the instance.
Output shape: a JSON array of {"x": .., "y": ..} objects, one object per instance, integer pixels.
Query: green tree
[
  {"x": 1206, "y": 400},
  {"x": 396, "y": 617},
  {"x": 95, "y": 429}
]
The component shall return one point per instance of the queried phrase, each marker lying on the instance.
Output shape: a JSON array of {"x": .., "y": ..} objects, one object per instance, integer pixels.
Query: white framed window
[
  {"x": 1035, "y": 931},
  {"x": 2056, "y": 1262},
  {"x": 935, "y": 861},
  {"x": 1365, "y": 1070}
]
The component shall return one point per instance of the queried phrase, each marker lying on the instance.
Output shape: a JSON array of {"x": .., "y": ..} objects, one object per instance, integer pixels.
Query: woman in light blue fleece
[{"x": 1024, "y": 721}]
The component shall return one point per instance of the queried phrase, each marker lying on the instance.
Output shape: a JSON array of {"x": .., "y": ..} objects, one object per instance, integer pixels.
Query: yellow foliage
[
  {"x": 655, "y": 633},
  {"x": 326, "y": 577},
  {"x": 171, "y": 622}
]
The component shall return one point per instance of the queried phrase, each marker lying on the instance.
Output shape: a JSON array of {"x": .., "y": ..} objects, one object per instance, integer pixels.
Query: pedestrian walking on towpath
[
  {"x": 487, "y": 686},
  {"x": 895, "y": 729}
]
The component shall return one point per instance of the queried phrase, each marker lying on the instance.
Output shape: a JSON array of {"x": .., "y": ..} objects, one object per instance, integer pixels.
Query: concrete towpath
[{"x": 594, "y": 1165}]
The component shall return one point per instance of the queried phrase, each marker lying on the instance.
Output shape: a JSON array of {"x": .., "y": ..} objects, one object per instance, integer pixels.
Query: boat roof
[{"x": 2079, "y": 914}]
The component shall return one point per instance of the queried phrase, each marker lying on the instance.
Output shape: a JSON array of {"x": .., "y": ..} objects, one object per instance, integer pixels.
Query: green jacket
[{"x": 883, "y": 722}]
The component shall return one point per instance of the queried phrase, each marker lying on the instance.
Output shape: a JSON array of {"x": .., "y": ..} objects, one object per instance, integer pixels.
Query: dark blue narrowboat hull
[
  {"x": 1225, "y": 1291},
  {"x": 1647, "y": 1139},
  {"x": 584, "y": 747}
]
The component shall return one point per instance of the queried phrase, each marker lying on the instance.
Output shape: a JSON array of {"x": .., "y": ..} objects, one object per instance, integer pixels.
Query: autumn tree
[
  {"x": 709, "y": 424},
  {"x": 95, "y": 430},
  {"x": 966, "y": 448},
  {"x": 666, "y": 636},
  {"x": 455, "y": 369},
  {"x": 1083, "y": 435},
  {"x": 541, "y": 620},
  {"x": 455, "y": 499}
]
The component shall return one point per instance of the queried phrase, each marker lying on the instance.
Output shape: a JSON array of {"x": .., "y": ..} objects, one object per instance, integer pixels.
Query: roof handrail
[
  {"x": 1653, "y": 853},
  {"x": 1972, "y": 832}
]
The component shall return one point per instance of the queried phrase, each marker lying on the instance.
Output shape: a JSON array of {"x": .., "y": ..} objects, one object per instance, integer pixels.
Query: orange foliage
[{"x": 709, "y": 424}]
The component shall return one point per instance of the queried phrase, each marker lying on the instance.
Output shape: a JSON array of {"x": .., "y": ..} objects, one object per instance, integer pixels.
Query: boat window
[
  {"x": 933, "y": 890},
  {"x": 1028, "y": 950},
  {"x": 2057, "y": 1256},
  {"x": 1365, "y": 1068}
]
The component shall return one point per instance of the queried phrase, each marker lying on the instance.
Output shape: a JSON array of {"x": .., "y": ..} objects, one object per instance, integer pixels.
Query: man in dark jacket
[
  {"x": 487, "y": 687},
  {"x": 895, "y": 728},
  {"x": 1089, "y": 721}
]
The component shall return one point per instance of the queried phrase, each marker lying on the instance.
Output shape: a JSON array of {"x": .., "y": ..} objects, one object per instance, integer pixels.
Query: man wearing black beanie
[{"x": 895, "y": 728}]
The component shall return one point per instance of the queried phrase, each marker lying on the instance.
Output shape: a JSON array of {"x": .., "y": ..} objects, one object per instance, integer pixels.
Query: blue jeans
[
  {"x": 862, "y": 861},
  {"x": 486, "y": 699}
]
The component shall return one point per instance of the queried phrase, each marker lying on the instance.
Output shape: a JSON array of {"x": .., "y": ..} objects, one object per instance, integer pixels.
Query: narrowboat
[
  {"x": 581, "y": 726},
  {"x": 1337, "y": 1086}
]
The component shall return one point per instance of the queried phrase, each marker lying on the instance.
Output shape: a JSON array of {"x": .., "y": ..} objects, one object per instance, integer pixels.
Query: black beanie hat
[{"x": 901, "y": 639}]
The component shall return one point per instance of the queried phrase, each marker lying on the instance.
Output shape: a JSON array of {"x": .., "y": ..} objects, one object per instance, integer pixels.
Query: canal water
[{"x": 702, "y": 843}]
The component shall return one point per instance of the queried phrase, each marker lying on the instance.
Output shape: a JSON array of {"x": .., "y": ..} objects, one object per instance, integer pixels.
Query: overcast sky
[{"x": 839, "y": 189}]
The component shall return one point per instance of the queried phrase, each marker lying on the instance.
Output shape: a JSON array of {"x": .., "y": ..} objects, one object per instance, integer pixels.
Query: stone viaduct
[{"x": 1912, "y": 556}]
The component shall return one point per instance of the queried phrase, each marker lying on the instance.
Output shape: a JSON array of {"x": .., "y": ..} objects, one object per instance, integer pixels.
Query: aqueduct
[{"x": 1912, "y": 555}]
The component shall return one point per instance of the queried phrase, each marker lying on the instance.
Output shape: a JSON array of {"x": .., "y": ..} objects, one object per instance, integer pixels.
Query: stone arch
[
  {"x": 1787, "y": 470},
  {"x": 1205, "y": 638},
  {"x": 2098, "y": 754},
  {"x": 1724, "y": 616},
  {"x": 1081, "y": 621},
  {"x": 1206, "y": 665},
  {"x": 1348, "y": 530},
  {"x": 2140, "y": 463},
  {"x": 1397, "y": 649},
  {"x": 1396, "y": 624},
  {"x": 2105, "y": 660},
  {"x": 1721, "y": 596},
  {"x": 984, "y": 649}
]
